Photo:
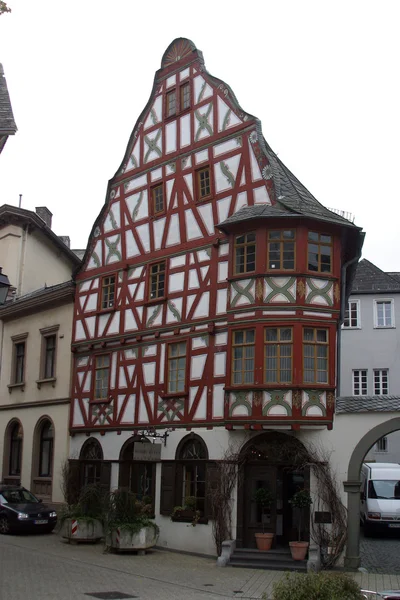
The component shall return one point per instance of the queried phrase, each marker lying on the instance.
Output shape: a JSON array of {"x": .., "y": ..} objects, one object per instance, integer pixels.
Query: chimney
[
  {"x": 66, "y": 240},
  {"x": 44, "y": 213}
]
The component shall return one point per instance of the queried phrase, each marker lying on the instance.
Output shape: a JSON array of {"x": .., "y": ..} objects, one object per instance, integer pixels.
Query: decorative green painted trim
[
  {"x": 133, "y": 161},
  {"x": 170, "y": 408},
  {"x": 174, "y": 310},
  {"x": 153, "y": 116},
  {"x": 154, "y": 315},
  {"x": 137, "y": 206},
  {"x": 96, "y": 259},
  {"x": 240, "y": 400},
  {"x": 201, "y": 93},
  {"x": 101, "y": 416},
  {"x": 314, "y": 399},
  {"x": 203, "y": 122},
  {"x": 277, "y": 289},
  {"x": 277, "y": 399},
  {"x": 152, "y": 145},
  {"x": 225, "y": 171},
  {"x": 226, "y": 120},
  {"x": 113, "y": 250},
  {"x": 242, "y": 291},
  {"x": 114, "y": 223},
  {"x": 315, "y": 291}
]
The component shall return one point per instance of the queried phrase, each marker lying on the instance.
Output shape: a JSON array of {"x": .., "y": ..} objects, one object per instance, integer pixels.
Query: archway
[
  {"x": 269, "y": 461},
  {"x": 12, "y": 455},
  {"x": 353, "y": 484},
  {"x": 42, "y": 459},
  {"x": 137, "y": 475}
]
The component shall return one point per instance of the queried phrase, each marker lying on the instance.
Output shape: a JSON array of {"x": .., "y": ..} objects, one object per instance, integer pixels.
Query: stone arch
[
  {"x": 8, "y": 476},
  {"x": 353, "y": 484},
  {"x": 43, "y": 448}
]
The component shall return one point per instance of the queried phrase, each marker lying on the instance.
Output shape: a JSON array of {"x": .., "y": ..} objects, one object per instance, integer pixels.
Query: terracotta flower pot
[
  {"x": 264, "y": 541},
  {"x": 299, "y": 550}
]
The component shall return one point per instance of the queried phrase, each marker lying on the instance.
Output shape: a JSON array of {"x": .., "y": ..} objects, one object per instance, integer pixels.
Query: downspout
[
  {"x": 341, "y": 319},
  {"x": 21, "y": 266}
]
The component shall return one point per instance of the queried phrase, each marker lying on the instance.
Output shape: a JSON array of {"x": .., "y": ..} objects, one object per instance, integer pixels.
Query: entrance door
[{"x": 254, "y": 517}]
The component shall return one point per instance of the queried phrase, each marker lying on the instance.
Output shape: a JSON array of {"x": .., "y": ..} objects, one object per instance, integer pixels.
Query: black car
[{"x": 22, "y": 511}]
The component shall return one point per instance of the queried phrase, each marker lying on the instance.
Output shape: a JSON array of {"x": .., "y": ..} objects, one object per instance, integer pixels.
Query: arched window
[
  {"x": 91, "y": 457},
  {"x": 46, "y": 449},
  {"x": 137, "y": 475},
  {"x": 16, "y": 439},
  {"x": 192, "y": 456}
]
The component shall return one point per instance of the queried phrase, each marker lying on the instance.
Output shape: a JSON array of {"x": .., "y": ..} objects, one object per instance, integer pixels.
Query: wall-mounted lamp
[{"x": 4, "y": 287}]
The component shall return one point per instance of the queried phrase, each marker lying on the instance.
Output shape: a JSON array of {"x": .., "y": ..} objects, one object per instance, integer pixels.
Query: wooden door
[{"x": 254, "y": 518}]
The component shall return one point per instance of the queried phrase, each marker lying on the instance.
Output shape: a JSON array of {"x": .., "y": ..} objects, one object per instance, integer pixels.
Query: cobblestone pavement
[
  {"x": 380, "y": 554},
  {"x": 46, "y": 568}
]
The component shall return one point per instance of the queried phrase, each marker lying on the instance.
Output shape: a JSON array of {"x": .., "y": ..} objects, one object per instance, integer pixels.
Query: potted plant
[
  {"x": 300, "y": 500},
  {"x": 187, "y": 513},
  {"x": 264, "y": 499},
  {"x": 83, "y": 521},
  {"x": 128, "y": 523}
]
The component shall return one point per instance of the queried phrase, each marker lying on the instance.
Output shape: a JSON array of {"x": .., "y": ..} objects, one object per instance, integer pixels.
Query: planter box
[
  {"x": 80, "y": 530},
  {"x": 124, "y": 540}
]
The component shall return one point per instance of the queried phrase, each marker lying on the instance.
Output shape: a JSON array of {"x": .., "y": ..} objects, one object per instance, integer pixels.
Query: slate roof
[
  {"x": 358, "y": 404},
  {"x": 259, "y": 211},
  {"x": 370, "y": 278},
  {"x": 394, "y": 274},
  {"x": 7, "y": 123}
]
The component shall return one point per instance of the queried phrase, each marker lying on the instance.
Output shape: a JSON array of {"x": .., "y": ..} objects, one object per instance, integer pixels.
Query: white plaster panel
[
  {"x": 170, "y": 185},
  {"x": 255, "y": 169},
  {"x": 223, "y": 182},
  {"x": 150, "y": 350},
  {"x": 201, "y": 411},
  {"x": 192, "y": 395},
  {"x": 128, "y": 415},
  {"x": 131, "y": 246},
  {"x": 241, "y": 201},
  {"x": 193, "y": 279},
  {"x": 103, "y": 320},
  {"x": 140, "y": 291},
  {"x": 135, "y": 183},
  {"x": 173, "y": 237},
  {"x": 132, "y": 289},
  {"x": 221, "y": 301},
  {"x": 177, "y": 261},
  {"x": 189, "y": 302},
  {"x": 78, "y": 417},
  {"x": 277, "y": 410},
  {"x": 144, "y": 235},
  {"x": 149, "y": 373},
  {"x": 244, "y": 314},
  {"x": 82, "y": 361},
  {"x": 176, "y": 281},
  {"x": 221, "y": 338},
  {"x": 206, "y": 214},
  {"x": 203, "y": 133},
  {"x": 131, "y": 373},
  {"x": 225, "y": 147},
  {"x": 156, "y": 174},
  {"x": 203, "y": 306},
  {"x": 143, "y": 415},
  {"x": 309, "y": 313},
  {"x": 171, "y": 315},
  {"x": 130, "y": 321},
  {"x": 219, "y": 364},
  {"x": 197, "y": 366},
  {"x": 223, "y": 250},
  {"x": 79, "y": 331},
  {"x": 202, "y": 90},
  {"x": 90, "y": 323},
  {"x": 171, "y": 81},
  {"x": 225, "y": 120},
  {"x": 113, "y": 370},
  {"x": 185, "y": 131},
  {"x": 152, "y": 155},
  {"x": 204, "y": 272},
  {"x": 202, "y": 256},
  {"x": 171, "y": 137},
  {"x": 218, "y": 401},
  {"x": 189, "y": 182},
  {"x": 162, "y": 362},
  {"x": 84, "y": 287},
  {"x": 223, "y": 208},
  {"x": 92, "y": 302},
  {"x": 98, "y": 251},
  {"x": 121, "y": 378},
  {"x": 88, "y": 382},
  {"x": 193, "y": 231},
  {"x": 222, "y": 270},
  {"x": 183, "y": 74},
  {"x": 199, "y": 342},
  {"x": 261, "y": 195},
  {"x": 114, "y": 325},
  {"x": 201, "y": 156},
  {"x": 158, "y": 227}
]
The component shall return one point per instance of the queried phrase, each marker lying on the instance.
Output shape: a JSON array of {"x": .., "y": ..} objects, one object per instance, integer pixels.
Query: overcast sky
[{"x": 323, "y": 78}]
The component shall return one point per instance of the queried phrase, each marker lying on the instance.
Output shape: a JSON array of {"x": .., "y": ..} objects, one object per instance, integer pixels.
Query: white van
[{"x": 380, "y": 497}]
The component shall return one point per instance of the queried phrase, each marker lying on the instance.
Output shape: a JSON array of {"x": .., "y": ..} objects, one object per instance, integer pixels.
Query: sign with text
[{"x": 146, "y": 451}]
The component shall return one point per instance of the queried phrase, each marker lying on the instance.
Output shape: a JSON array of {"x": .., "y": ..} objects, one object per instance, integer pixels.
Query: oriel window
[
  {"x": 278, "y": 355},
  {"x": 157, "y": 280},
  {"x": 245, "y": 253},
  {"x": 315, "y": 355},
  {"x": 319, "y": 252},
  {"x": 177, "y": 367},
  {"x": 108, "y": 292},
  {"x": 281, "y": 250},
  {"x": 102, "y": 375},
  {"x": 171, "y": 103},
  {"x": 243, "y": 352}
]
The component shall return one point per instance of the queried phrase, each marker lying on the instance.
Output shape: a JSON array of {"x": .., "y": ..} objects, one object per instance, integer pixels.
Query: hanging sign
[{"x": 150, "y": 452}]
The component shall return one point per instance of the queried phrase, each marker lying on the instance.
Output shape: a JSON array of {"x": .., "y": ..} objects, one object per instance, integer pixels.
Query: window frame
[
  {"x": 157, "y": 213},
  {"x": 233, "y": 345},
  {"x": 381, "y": 301},
  {"x": 384, "y": 440},
  {"x": 281, "y": 241},
  {"x": 51, "y": 450},
  {"x": 182, "y": 392},
  {"x": 20, "y": 339},
  {"x": 278, "y": 356},
  {"x": 182, "y": 87},
  {"x": 168, "y": 94},
  {"x": 46, "y": 333},
  {"x": 245, "y": 246},
  {"x": 95, "y": 368},
  {"x": 319, "y": 243},
  {"x": 198, "y": 172},
  {"x": 17, "y": 447},
  {"x": 315, "y": 357},
  {"x": 358, "y": 315},
  {"x": 360, "y": 383},
  {"x": 101, "y": 292},
  {"x": 149, "y": 281},
  {"x": 381, "y": 382}
]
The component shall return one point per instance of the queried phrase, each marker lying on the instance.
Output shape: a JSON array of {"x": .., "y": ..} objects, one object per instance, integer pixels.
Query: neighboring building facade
[
  {"x": 207, "y": 309},
  {"x": 35, "y": 357},
  {"x": 7, "y": 123},
  {"x": 370, "y": 360}
]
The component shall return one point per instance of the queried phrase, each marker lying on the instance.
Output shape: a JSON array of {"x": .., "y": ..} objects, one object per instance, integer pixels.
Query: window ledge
[
  {"x": 12, "y": 386},
  {"x": 40, "y": 382},
  {"x": 171, "y": 395},
  {"x": 384, "y": 327},
  {"x": 154, "y": 301}
]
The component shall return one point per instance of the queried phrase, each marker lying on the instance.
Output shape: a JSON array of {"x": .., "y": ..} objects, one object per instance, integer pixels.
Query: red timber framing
[{"x": 203, "y": 300}]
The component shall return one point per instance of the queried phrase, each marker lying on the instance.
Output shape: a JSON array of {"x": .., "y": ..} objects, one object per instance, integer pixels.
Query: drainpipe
[
  {"x": 21, "y": 266},
  {"x": 342, "y": 313}
]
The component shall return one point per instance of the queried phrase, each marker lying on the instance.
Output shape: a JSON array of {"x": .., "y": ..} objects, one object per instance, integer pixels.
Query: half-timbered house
[{"x": 206, "y": 311}]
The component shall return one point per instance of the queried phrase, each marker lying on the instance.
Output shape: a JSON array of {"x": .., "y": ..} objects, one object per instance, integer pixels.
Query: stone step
[
  {"x": 295, "y": 565},
  {"x": 279, "y": 559}
]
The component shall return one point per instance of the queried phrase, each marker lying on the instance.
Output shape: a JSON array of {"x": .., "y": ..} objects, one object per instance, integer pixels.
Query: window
[
  {"x": 107, "y": 292},
  {"x": 46, "y": 450},
  {"x": 319, "y": 252},
  {"x": 278, "y": 355},
  {"x": 157, "y": 280},
  {"x": 281, "y": 250},
  {"x": 102, "y": 372},
  {"x": 203, "y": 183},
  {"x": 245, "y": 253},
  {"x": 193, "y": 456},
  {"x": 158, "y": 199},
  {"x": 352, "y": 315},
  {"x": 176, "y": 367},
  {"x": 49, "y": 356},
  {"x": 384, "y": 313},
  {"x": 171, "y": 103},
  {"x": 360, "y": 387},
  {"x": 243, "y": 357},
  {"x": 382, "y": 445},
  {"x": 136, "y": 475},
  {"x": 91, "y": 458},
  {"x": 19, "y": 358},
  {"x": 381, "y": 382},
  {"x": 16, "y": 438},
  {"x": 315, "y": 355},
  {"x": 185, "y": 96}
]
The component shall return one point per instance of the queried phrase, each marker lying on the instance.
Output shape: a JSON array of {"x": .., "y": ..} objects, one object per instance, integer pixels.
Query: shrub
[
  {"x": 125, "y": 511},
  {"x": 317, "y": 586},
  {"x": 90, "y": 506}
]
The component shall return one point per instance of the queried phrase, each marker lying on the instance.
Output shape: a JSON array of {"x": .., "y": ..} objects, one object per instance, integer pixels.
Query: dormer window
[{"x": 245, "y": 253}]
